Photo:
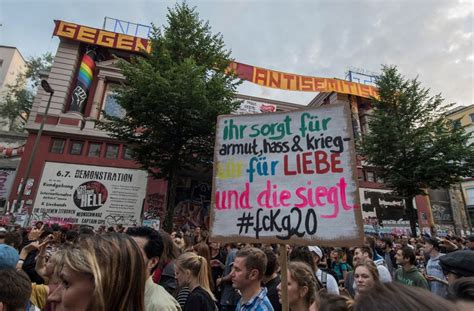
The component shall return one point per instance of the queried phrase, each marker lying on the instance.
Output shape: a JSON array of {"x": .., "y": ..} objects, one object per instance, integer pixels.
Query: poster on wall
[
  {"x": 90, "y": 195},
  {"x": 250, "y": 106},
  {"x": 383, "y": 212},
  {"x": 287, "y": 177},
  {"x": 7, "y": 177}
]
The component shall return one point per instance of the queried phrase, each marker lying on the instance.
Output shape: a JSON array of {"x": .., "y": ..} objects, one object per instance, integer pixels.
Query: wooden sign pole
[{"x": 284, "y": 278}]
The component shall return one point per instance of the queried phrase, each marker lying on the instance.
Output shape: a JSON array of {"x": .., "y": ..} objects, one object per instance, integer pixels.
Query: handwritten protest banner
[{"x": 286, "y": 177}]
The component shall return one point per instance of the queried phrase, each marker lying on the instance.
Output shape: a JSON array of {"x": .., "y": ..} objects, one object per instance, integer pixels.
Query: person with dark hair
[
  {"x": 164, "y": 274},
  {"x": 386, "y": 244},
  {"x": 462, "y": 293},
  {"x": 249, "y": 267},
  {"x": 398, "y": 297},
  {"x": 71, "y": 236},
  {"x": 271, "y": 279},
  {"x": 218, "y": 256},
  {"x": 14, "y": 239},
  {"x": 370, "y": 242},
  {"x": 331, "y": 302},
  {"x": 302, "y": 254},
  {"x": 229, "y": 296},
  {"x": 15, "y": 290},
  {"x": 151, "y": 245},
  {"x": 408, "y": 274},
  {"x": 85, "y": 231},
  {"x": 27, "y": 261},
  {"x": 470, "y": 242},
  {"x": 434, "y": 272},
  {"x": 338, "y": 265}
]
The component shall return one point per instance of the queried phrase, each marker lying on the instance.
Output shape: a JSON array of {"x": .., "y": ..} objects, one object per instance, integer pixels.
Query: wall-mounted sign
[
  {"x": 90, "y": 195},
  {"x": 100, "y": 37},
  {"x": 7, "y": 177},
  {"x": 250, "y": 106}
]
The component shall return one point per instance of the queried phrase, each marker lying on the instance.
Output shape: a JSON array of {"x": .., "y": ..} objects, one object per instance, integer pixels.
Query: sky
[{"x": 429, "y": 39}]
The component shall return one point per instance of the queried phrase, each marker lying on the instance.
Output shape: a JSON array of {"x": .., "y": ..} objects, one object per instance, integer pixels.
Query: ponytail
[
  {"x": 199, "y": 269},
  {"x": 203, "y": 276}
]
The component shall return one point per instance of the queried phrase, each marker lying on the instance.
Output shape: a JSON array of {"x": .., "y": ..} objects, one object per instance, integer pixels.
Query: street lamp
[{"x": 48, "y": 89}]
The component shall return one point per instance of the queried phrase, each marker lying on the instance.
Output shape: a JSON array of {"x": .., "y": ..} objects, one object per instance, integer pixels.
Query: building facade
[
  {"x": 80, "y": 174},
  {"x": 12, "y": 65},
  {"x": 382, "y": 210},
  {"x": 463, "y": 116}
]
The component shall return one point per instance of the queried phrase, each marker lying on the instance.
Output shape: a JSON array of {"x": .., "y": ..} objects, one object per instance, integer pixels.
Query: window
[
  {"x": 126, "y": 153},
  {"x": 470, "y": 196},
  {"x": 370, "y": 176},
  {"x": 76, "y": 147},
  {"x": 457, "y": 123},
  {"x": 472, "y": 117},
  {"x": 380, "y": 179},
  {"x": 111, "y": 151},
  {"x": 57, "y": 145},
  {"x": 94, "y": 150},
  {"x": 111, "y": 106}
]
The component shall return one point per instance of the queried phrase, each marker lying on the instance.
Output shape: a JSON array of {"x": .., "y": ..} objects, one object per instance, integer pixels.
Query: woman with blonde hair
[
  {"x": 202, "y": 249},
  {"x": 192, "y": 272},
  {"x": 302, "y": 286},
  {"x": 101, "y": 272},
  {"x": 366, "y": 276}
]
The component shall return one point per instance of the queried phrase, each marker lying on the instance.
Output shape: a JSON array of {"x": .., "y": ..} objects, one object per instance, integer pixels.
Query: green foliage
[
  {"x": 35, "y": 65},
  {"x": 16, "y": 102},
  {"x": 411, "y": 140},
  {"x": 174, "y": 95}
]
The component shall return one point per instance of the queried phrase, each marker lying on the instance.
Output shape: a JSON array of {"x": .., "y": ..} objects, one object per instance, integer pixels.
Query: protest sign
[
  {"x": 286, "y": 177},
  {"x": 90, "y": 195}
]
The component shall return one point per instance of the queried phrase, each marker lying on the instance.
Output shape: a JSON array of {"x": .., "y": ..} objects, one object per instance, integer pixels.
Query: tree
[
  {"x": 16, "y": 103},
  {"x": 172, "y": 98},
  {"x": 412, "y": 142}
]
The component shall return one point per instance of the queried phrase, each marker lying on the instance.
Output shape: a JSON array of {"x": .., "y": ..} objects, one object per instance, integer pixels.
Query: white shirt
[
  {"x": 157, "y": 298},
  {"x": 331, "y": 284},
  {"x": 384, "y": 274}
]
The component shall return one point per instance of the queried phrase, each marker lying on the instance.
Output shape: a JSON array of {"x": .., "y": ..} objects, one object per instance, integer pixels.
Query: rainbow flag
[{"x": 86, "y": 71}]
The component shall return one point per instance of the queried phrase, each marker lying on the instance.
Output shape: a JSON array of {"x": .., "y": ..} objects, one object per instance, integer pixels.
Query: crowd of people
[{"x": 52, "y": 267}]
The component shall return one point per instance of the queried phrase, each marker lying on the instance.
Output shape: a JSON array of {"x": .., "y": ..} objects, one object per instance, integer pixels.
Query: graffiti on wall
[
  {"x": 155, "y": 206},
  {"x": 193, "y": 200},
  {"x": 193, "y": 203},
  {"x": 441, "y": 206},
  {"x": 442, "y": 213},
  {"x": 382, "y": 210}
]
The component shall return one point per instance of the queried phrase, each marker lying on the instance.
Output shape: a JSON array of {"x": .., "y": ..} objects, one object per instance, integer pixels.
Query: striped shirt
[
  {"x": 182, "y": 296},
  {"x": 259, "y": 302}
]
